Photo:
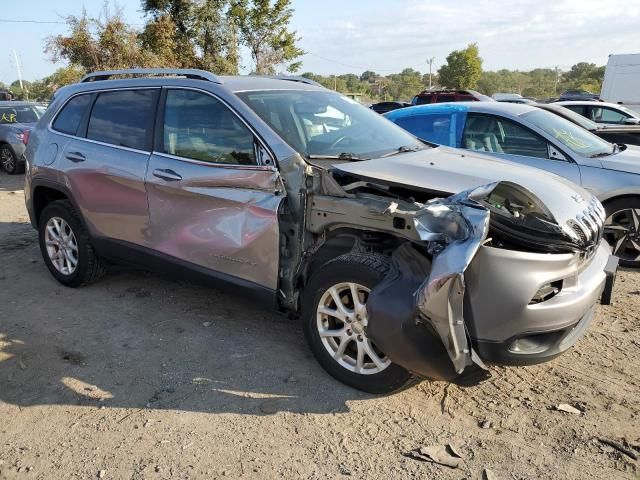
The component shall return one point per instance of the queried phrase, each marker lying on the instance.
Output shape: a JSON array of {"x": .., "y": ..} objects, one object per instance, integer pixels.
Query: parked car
[
  {"x": 447, "y": 95},
  {"x": 620, "y": 134},
  {"x": 5, "y": 95},
  {"x": 384, "y": 107},
  {"x": 602, "y": 112},
  {"x": 16, "y": 120},
  {"x": 621, "y": 80},
  {"x": 527, "y": 135},
  {"x": 578, "y": 95},
  {"x": 525, "y": 101},
  {"x": 323, "y": 209}
]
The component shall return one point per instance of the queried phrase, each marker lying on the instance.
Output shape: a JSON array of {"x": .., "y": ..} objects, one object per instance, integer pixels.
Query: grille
[{"x": 588, "y": 226}]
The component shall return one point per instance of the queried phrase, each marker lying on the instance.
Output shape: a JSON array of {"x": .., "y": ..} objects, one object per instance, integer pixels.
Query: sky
[{"x": 385, "y": 36}]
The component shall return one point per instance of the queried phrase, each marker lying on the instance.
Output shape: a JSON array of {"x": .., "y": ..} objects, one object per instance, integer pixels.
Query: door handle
[
  {"x": 76, "y": 157},
  {"x": 168, "y": 175}
]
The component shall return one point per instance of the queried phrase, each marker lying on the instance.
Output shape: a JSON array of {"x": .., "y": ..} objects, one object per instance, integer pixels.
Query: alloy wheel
[
  {"x": 341, "y": 319},
  {"x": 62, "y": 246},
  {"x": 622, "y": 231},
  {"x": 7, "y": 159}
]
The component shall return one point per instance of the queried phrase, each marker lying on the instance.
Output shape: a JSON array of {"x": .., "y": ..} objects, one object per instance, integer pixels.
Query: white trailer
[{"x": 622, "y": 81}]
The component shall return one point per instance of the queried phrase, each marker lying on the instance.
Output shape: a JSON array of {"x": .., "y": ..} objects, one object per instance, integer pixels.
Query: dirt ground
[{"x": 140, "y": 376}]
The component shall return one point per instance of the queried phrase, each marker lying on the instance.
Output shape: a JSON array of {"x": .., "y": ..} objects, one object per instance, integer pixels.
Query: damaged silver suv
[{"x": 403, "y": 259}]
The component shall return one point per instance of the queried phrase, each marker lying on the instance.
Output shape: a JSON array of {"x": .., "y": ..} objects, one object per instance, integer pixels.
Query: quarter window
[
  {"x": 201, "y": 127},
  {"x": 124, "y": 118},
  {"x": 69, "y": 118}
]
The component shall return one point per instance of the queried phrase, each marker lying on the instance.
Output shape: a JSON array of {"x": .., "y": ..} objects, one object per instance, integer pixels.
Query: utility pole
[
  {"x": 430, "y": 62},
  {"x": 15, "y": 55}
]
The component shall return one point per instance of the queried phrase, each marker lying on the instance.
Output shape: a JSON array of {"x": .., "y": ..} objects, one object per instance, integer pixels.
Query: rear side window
[
  {"x": 445, "y": 97},
  {"x": 69, "y": 118},
  {"x": 433, "y": 128},
  {"x": 581, "y": 109},
  {"x": 124, "y": 118},
  {"x": 201, "y": 127},
  {"x": 424, "y": 99}
]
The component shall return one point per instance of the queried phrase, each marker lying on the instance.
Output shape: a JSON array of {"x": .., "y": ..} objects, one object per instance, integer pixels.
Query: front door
[
  {"x": 213, "y": 202},
  {"x": 508, "y": 140}
]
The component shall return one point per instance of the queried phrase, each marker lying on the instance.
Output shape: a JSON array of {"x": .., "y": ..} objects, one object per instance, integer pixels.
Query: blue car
[{"x": 529, "y": 135}]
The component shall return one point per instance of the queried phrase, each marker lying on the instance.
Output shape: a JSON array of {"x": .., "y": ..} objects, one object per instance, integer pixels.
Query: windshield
[
  {"x": 326, "y": 124},
  {"x": 19, "y": 114},
  {"x": 573, "y": 137}
]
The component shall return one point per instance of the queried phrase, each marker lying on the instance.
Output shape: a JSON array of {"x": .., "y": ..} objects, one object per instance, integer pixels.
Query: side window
[
  {"x": 607, "y": 115},
  {"x": 581, "y": 109},
  {"x": 124, "y": 118},
  {"x": 201, "y": 127},
  {"x": 485, "y": 133},
  {"x": 445, "y": 97},
  {"x": 69, "y": 118},
  {"x": 424, "y": 99},
  {"x": 433, "y": 128}
]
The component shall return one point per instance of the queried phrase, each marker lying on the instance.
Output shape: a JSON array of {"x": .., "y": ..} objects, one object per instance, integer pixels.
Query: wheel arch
[{"x": 44, "y": 193}]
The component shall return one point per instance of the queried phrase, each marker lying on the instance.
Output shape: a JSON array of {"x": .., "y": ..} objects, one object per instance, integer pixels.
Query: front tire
[
  {"x": 622, "y": 230},
  {"x": 65, "y": 246},
  {"x": 335, "y": 322},
  {"x": 9, "y": 160}
]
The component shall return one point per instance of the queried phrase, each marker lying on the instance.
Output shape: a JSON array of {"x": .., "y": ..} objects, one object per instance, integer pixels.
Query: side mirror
[{"x": 555, "y": 154}]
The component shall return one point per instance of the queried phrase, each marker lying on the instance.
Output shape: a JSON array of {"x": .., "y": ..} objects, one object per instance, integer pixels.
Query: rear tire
[
  {"x": 622, "y": 230},
  {"x": 343, "y": 348},
  {"x": 65, "y": 246},
  {"x": 10, "y": 162}
]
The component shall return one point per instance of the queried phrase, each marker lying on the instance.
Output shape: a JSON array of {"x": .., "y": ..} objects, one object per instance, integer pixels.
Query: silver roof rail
[
  {"x": 182, "y": 72},
  {"x": 293, "y": 78}
]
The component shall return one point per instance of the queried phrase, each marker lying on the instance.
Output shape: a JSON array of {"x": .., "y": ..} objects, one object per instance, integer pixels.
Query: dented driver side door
[{"x": 213, "y": 190}]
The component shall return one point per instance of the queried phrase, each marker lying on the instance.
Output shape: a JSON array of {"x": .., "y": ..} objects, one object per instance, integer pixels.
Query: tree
[
  {"x": 96, "y": 44},
  {"x": 264, "y": 30},
  {"x": 463, "y": 68},
  {"x": 192, "y": 34},
  {"x": 583, "y": 75}
]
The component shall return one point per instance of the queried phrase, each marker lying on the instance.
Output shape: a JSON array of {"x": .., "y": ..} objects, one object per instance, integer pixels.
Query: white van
[{"x": 622, "y": 81}]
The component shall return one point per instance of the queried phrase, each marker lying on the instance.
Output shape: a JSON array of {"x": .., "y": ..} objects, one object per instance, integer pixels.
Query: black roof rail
[
  {"x": 293, "y": 78},
  {"x": 182, "y": 72}
]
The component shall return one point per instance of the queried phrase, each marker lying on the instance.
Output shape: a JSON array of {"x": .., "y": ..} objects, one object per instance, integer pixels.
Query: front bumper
[{"x": 506, "y": 327}]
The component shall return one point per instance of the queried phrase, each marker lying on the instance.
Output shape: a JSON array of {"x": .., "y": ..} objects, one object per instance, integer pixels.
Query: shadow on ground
[{"x": 136, "y": 340}]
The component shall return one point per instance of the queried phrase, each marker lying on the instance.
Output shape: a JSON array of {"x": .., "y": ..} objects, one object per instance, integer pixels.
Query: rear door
[
  {"x": 105, "y": 161},
  {"x": 508, "y": 140},
  {"x": 214, "y": 192}
]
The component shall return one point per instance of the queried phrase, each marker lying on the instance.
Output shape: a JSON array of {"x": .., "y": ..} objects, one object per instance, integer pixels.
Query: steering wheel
[{"x": 338, "y": 141}]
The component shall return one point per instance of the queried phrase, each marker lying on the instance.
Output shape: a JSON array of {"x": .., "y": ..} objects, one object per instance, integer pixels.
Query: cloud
[{"x": 520, "y": 34}]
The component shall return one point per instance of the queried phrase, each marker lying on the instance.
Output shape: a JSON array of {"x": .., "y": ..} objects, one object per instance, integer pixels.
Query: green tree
[
  {"x": 463, "y": 68},
  {"x": 264, "y": 29},
  {"x": 405, "y": 85},
  {"x": 192, "y": 34},
  {"x": 583, "y": 75},
  {"x": 96, "y": 44}
]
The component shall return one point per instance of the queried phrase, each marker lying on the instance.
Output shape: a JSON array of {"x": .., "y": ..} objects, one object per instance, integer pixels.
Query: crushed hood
[{"x": 447, "y": 171}]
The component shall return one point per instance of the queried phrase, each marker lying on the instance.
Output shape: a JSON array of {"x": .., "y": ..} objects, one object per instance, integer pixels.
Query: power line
[
  {"x": 32, "y": 21},
  {"x": 355, "y": 66}
]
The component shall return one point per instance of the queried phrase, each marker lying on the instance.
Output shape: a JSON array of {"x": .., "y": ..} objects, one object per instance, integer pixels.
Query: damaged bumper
[{"x": 445, "y": 308}]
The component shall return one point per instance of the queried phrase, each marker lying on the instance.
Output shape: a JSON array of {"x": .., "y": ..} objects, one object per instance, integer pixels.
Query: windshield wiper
[
  {"x": 351, "y": 157},
  {"x": 601, "y": 154},
  {"x": 402, "y": 149}
]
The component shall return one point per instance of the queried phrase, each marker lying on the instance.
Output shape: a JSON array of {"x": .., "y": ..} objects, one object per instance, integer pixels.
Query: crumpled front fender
[{"x": 416, "y": 313}]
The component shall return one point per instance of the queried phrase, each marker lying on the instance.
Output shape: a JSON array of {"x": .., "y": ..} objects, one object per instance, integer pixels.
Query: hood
[
  {"x": 625, "y": 161},
  {"x": 446, "y": 171}
]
